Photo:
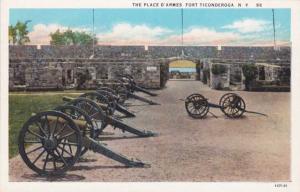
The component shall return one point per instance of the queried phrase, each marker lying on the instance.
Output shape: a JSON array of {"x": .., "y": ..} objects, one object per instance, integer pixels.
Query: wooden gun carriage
[
  {"x": 51, "y": 142},
  {"x": 231, "y": 104}
]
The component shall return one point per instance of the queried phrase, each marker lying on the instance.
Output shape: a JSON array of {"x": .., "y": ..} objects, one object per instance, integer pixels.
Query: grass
[
  {"x": 20, "y": 109},
  {"x": 49, "y": 92}
]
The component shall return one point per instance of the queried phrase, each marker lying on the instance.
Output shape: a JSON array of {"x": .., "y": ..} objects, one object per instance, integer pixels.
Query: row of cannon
[{"x": 51, "y": 142}]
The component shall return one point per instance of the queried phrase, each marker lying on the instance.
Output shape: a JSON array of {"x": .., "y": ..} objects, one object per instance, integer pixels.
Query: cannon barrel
[
  {"x": 123, "y": 110},
  {"x": 137, "y": 88},
  {"x": 134, "y": 96},
  {"x": 124, "y": 127},
  {"x": 79, "y": 122},
  {"x": 120, "y": 125},
  {"x": 68, "y": 99},
  {"x": 129, "y": 80}
]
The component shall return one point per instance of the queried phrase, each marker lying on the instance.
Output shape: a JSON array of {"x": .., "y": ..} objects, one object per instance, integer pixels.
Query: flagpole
[
  {"x": 93, "y": 32},
  {"x": 182, "y": 53},
  {"x": 274, "y": 30}
]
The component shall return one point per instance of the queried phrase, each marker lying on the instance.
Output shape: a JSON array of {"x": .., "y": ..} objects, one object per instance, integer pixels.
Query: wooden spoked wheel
[
  {"x": 50, "y": 143},
  {"x": 232, "y": 105},
  {"x": 196, "y": 106}
]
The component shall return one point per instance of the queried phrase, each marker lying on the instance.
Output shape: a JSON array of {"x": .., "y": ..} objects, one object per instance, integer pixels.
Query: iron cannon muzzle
[
  {"x": 150, "y": 134},
  {"x": 138, "y": 163}
]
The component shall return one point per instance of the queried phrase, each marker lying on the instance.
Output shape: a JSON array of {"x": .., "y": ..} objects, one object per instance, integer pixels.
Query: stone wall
[
  {"x": 23, "y": 51},
  {"x": 189, "y": 51},
  {"x": 226, "y": 52},
  {"x": 271, "y": 74},
  {"x": 33, "y": 72},
  {"x": 255, "y": 53},
  {"x": 148, "y": 66},
  {"x": 75, "y": 51},
  {"x": 43, "y": 77}
]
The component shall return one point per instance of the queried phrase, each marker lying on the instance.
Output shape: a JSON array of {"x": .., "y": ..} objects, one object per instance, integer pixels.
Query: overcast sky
[{"x": 161, "y": 26}]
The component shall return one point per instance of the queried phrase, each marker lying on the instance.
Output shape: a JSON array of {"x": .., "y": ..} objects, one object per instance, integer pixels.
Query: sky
[{"x": 235, "y": 27}]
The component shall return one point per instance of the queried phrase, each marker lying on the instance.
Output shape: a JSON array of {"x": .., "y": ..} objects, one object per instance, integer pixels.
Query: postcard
[{"x": 150, "y": 95}]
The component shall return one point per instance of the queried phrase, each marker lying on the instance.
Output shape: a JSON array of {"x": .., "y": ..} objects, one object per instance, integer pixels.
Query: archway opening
[{"x": 182, "y": 70}]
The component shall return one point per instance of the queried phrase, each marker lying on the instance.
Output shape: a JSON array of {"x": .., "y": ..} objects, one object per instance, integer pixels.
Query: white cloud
[
  {"x": 125, "y": 33},
  {"x": 128, "y": 34},
  {"x": 209, "y": 36},
  {"x": 249, "y": 25},
  {"x": 40, "y": 35}
]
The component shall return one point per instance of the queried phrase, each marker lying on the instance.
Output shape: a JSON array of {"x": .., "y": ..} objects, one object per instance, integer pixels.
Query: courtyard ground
[{"x": 253, "y": 148}]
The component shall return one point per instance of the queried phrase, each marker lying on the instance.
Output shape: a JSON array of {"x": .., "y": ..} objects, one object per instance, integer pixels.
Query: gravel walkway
[{"x": 253, "y": 148}]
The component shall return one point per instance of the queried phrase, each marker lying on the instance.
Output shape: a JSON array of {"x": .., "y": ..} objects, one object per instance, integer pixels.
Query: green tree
[
  {"x": 56, "y": 38},
  {"x": 18, "y": 34},
  {"x": 12, "y": 35},
  {"x": 70, "y": 37}
]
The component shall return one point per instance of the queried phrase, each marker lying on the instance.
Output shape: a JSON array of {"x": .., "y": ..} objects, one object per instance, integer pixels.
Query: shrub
[
  {"x": 237, "y": 77},
  {"x": 83, "y": 77},
  {"x": 250, "y": 72},
  {"x": 218, "y": 69}
]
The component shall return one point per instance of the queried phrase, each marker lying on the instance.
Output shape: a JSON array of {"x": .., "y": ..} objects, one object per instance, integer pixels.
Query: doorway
[{"x": 182, "y": 70}]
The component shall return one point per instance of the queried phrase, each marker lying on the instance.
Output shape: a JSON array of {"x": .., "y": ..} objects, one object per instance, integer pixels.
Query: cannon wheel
[
  {"x": 129, "y": 80},
  {"x": 108, "y": 89},
  {"x": 120, "y": 92},
  {"x": 225, "y": 96},
  {"x": 196, "y": 106},
  {"x": 42, "y": 140},
  {"x": 232, "y": 105},
  {"x": 120, "y": 98},
  {"x": 97, "y": 115},
  {"x": 110, "y": 105},
  {"x": 111, "y": 97},
  {"x": 77, "y": 113}
]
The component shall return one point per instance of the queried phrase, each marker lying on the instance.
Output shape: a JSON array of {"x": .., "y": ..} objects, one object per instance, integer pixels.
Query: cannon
[
  {"x": 107, "y": 101},
  {"x": 108, "y": 105},
  {"x": 231, "y": 104},
  {"x": 102, "y": 118},
  {"x": 134, "y": 96},
  {"x": 119, "y": 107},
  {"x": 123, "y": 92},
  {"x": 119, "y": 93},
  {"x": 51, "y": 142},
  {"x": 132, "y": 86}
]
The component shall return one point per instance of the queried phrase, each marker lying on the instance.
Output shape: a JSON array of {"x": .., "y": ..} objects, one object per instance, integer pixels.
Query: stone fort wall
[
  {"x": 225, "y": 52},
  {"x": 62, "y": 73},
  {"x": 49, "y": 66}
]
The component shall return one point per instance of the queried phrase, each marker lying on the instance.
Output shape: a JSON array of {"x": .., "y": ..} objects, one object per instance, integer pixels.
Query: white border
[{"x": 6, "y": 186}]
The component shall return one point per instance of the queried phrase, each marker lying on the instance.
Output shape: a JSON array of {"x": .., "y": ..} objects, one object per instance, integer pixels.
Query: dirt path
[{"x": 253, "y": 148}]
